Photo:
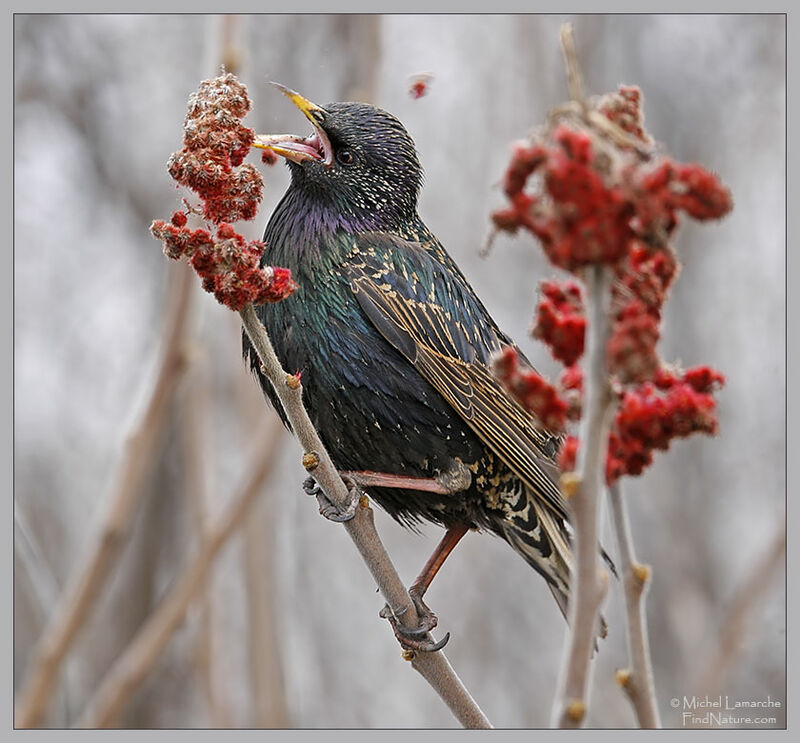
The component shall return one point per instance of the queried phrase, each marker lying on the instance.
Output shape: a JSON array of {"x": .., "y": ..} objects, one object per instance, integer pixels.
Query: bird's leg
[
  {"x": 414, "y": 638},
  {"x": 418, "y": 588},
  {"x": 454, "y": 479},
  {"x": 329, "y": 510}
]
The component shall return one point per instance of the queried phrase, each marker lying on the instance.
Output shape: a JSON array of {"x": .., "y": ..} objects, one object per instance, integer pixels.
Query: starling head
[{"x": 360, "y": 161}]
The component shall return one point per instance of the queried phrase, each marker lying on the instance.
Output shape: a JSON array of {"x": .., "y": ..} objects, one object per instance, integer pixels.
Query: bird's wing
[{"x": 436, "y": 321}]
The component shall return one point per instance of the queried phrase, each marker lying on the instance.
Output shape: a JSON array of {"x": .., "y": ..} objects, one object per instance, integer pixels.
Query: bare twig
[
  {"x": 746, "y": 601},
  {"x": 637, "y": 681},
  {"x": 86, "y": 582},
  {"x": 231, "y": 54},
  {"x": 434, "y": 667},
  {"x": 131, "y": 668},
  {"x": 579, "y": 106},
  {"x": 574, "y": 77},
  {"x": 583, "y": 489}
]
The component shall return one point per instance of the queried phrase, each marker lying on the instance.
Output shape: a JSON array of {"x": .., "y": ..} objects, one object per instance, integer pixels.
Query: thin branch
[
  {"x": 87, "y": 581},
  {"x": 131, "y": 668},
  {"x": 638, "y": 681},
  {"x": 575, "y": 111},
  {"x": 745, "y": 603},
  {"x": 434, "y": 667},
  {"x": 583, "y": 489},
  {"x": 231, "y": 53},
  {"x": 574, "y": 77},
  {"x": 579, "y": 106}
]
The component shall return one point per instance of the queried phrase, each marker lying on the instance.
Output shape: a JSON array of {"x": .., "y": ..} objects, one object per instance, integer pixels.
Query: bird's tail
[{"x": 543, "y": 541}]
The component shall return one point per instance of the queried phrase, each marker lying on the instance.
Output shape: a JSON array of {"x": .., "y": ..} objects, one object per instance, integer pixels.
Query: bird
[{"x": 395, "y": 351}]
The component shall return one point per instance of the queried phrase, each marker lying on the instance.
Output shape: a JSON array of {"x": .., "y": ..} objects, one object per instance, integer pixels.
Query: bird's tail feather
[{"x": 543, "y": 541}]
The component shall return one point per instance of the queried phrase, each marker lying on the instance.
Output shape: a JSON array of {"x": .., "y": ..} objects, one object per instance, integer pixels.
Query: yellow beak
[{"x": 299, "y": 149}]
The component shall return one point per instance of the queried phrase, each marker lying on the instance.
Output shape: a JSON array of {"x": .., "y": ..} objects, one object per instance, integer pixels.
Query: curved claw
[
  {"x": 415, "y": 638},
  {"x": 438, "y": 645},
  {"x": 334, "y": 513},
  {"x": 387, "y": 612},
  {"x": 329, "y": 510},
  {"x": 419, "y": 631},
  {"x": 423, "y": 645}
]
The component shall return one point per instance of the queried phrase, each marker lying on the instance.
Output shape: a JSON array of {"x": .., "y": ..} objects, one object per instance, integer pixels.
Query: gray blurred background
[{"x": 99, "y": 102}]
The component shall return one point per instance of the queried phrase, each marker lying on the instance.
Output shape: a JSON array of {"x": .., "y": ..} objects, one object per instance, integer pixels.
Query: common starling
[{"x": 395, "y": 348}]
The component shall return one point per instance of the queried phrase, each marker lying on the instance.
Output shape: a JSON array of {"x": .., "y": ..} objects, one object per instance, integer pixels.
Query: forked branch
[{"x": 638, "y": 680}]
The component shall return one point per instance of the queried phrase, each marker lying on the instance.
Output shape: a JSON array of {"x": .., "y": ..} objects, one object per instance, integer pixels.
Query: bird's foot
[
  {"x": 456, "y": 478},
  {"x": 415, "y": 638},
  {"x": 330, "y": 510}
]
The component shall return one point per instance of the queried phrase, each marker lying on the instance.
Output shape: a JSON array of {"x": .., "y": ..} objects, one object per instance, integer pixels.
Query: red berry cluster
[
  {"x": 650, "y": 415},
  {"x": 631, "y": 348},
  {"x": 645, "y": 275},
  {"x": 228, "y": 265},
  {"x": 215, "y": 143},
  {"x": 578, "y": 218},
  {"x": 210, "y": 163},
  {"x": 659, "y": 192},
  {"x": 589, "y": 199},
  {"x": 560, "y": 321},
  {"x": 596, "y": 202},
  {"x": 638, "y": 294}
]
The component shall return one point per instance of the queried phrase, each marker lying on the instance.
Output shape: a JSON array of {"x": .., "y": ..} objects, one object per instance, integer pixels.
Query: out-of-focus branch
[
  {"x": 86, "y": 582},
  {"x": 131, "y": 668},
  {"x": 32, "y": 566},
  {"x": 638, "y": 681},
  {"x": 745, "y": 603},
  {"x": 583, "y": 489},
  {"x": 270, "y": 708},
  {"x": 231, "y": 53},
  {"x": 195, "y": 454},
  {"x": 434, "y": 667},
  {"x": 269, "y": 697},
  {"x": 579, "y": 104},
  {"x": 574, "y": 77}
]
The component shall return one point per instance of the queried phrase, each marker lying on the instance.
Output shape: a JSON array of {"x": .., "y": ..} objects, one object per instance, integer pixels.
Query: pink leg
[
  {"x": 415, "y": 639},
  {"x": 451, "y": 538},
  {"x": 369, "y": 479}
]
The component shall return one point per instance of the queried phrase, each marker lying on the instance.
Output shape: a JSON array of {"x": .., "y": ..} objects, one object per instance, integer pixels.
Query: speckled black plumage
[{"x": 394, "y": 346}]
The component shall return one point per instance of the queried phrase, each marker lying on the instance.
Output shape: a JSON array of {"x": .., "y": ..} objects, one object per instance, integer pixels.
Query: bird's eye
[{"x": 345, "y": 157}]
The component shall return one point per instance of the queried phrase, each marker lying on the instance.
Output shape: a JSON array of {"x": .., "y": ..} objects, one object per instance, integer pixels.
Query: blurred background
[{"x": 284, "y": 631}]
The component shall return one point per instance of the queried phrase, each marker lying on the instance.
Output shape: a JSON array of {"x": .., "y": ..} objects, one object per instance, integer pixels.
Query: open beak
[{"x": 299, "y": 149}]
